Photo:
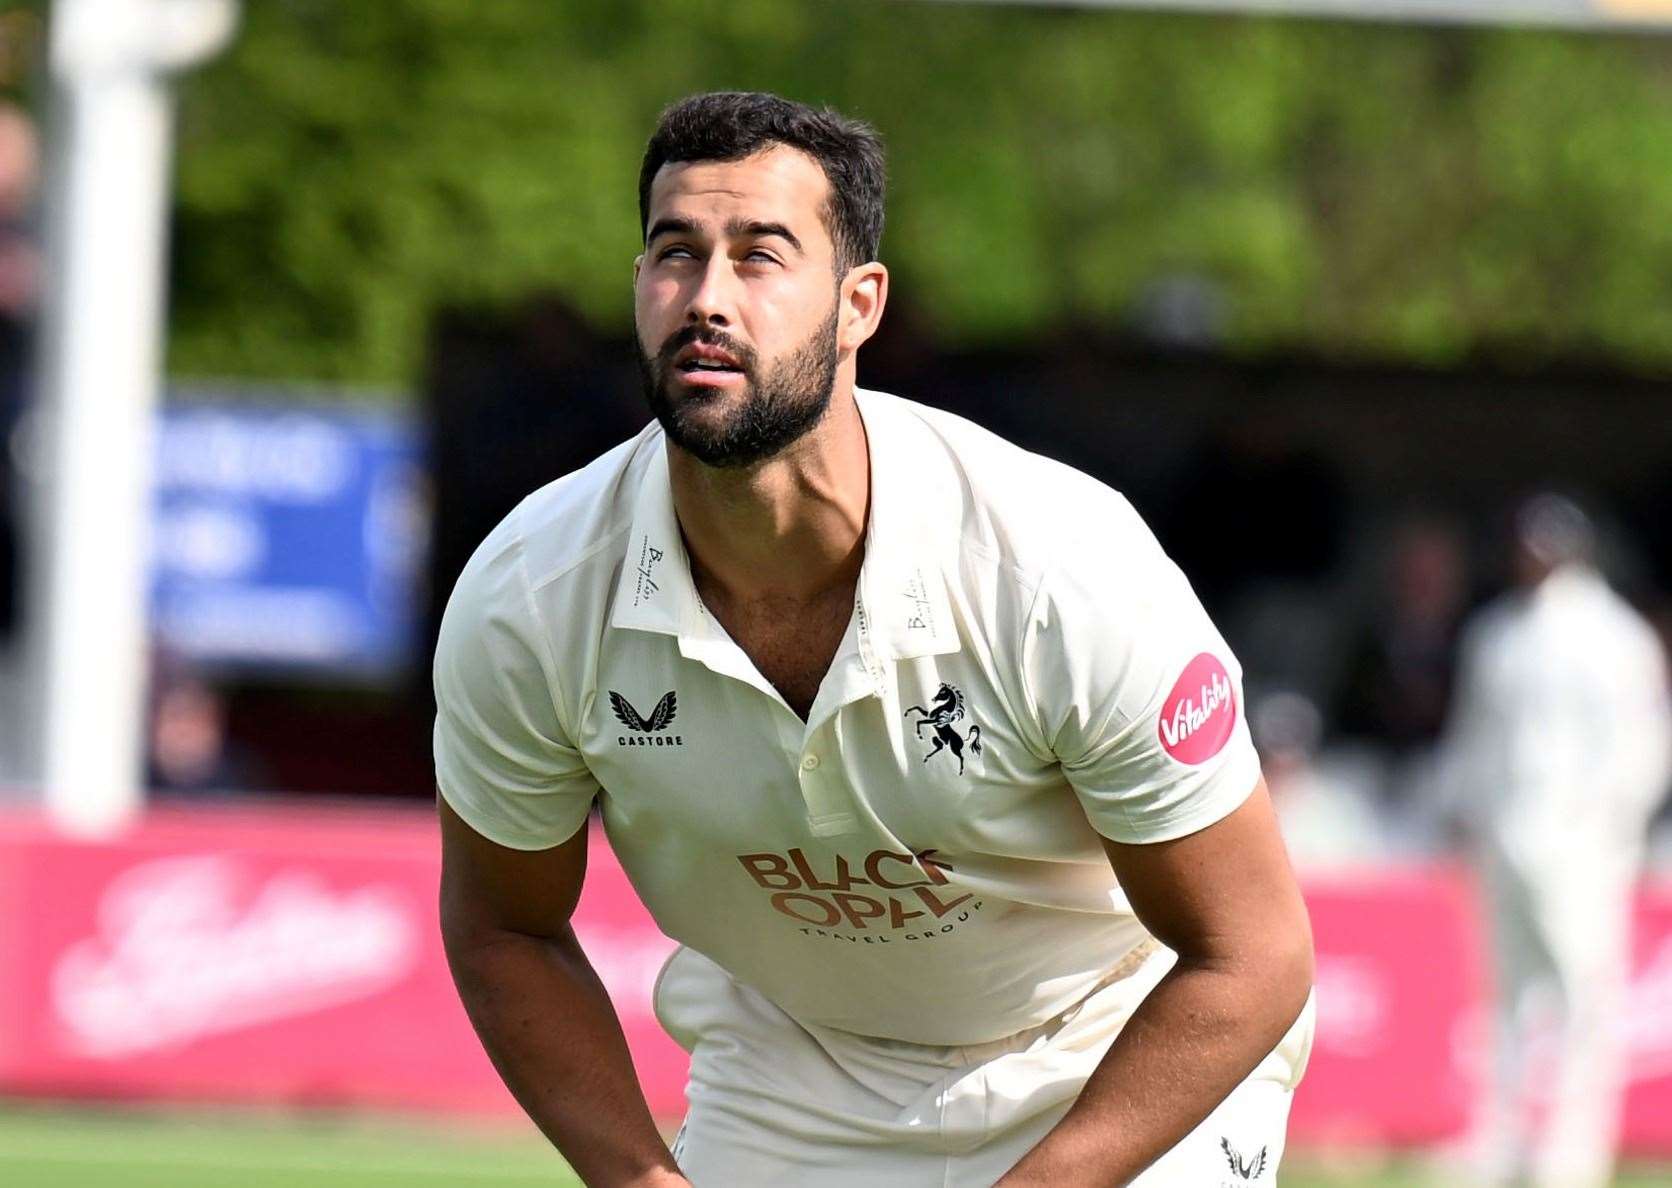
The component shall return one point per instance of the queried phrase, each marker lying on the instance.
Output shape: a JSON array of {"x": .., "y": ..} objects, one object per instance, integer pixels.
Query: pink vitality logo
[{"x": 1200, "y": 712}]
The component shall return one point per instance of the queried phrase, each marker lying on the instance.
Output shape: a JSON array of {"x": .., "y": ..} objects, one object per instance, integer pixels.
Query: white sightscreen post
[{"x": 100, "y": 378}]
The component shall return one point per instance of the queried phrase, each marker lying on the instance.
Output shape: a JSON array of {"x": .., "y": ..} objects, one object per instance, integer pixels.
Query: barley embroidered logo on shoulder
[
  {"x": 646, "y": 732},
  {"x": 1199, "y": 714}
]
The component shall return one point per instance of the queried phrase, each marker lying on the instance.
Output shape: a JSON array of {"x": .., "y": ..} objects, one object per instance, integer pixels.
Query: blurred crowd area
[{"x": 20, "y": 276}]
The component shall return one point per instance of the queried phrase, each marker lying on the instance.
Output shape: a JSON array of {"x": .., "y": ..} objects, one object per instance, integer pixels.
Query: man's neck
[{"x": 792, "y": 528}]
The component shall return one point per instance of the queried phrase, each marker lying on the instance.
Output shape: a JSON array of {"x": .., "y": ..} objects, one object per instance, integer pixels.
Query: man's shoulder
[
  {"x": 569, "y": 527},
  {"x": 1634, "y": 635},
  {"x": 1024, "y": 509}
]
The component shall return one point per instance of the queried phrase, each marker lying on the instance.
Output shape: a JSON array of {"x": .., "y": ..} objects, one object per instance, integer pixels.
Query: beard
[{"x": 773, "y": 410}]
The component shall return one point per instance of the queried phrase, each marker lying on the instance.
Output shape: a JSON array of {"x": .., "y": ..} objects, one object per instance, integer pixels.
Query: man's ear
[
  {"x": 638, "y": 263},
  {"x": 864, "y": 293}
]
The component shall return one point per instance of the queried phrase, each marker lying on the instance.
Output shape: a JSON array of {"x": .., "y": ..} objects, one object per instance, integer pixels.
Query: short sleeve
[
  {"x": 1135, "y": 691},
  {"x": 503, "y": 760}
]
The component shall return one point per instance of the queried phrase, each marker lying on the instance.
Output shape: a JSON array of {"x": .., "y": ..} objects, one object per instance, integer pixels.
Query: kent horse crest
[{"x": 947, "y": 708}]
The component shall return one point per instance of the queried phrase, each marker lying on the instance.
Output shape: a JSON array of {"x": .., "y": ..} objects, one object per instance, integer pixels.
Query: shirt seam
[
  {"x": 1045, "y": 754},
  {"x": 563, "y": 570},
  {"x": 976, "y": 544},
  {"x": 1127, "y": 724},
  {"x": 554, "y": 688}
]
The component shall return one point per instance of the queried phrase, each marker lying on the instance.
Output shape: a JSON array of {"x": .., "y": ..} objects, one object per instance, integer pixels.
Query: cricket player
[
  {"x": 1559, "y": 749},
  {"x": 916, "y": 743}
]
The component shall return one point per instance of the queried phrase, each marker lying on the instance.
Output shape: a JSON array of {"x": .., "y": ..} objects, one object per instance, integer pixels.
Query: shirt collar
[
  {"x": 911, "y": 540},
  {"x": 655, "y": 591},
  {"x": 903, "y": 609}
]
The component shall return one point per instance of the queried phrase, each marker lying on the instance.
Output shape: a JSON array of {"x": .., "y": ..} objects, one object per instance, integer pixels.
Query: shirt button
[{"x": 810, "y": 763}]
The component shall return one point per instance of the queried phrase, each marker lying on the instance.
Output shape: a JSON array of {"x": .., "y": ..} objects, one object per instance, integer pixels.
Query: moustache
[{"x": 708, "y": 336}]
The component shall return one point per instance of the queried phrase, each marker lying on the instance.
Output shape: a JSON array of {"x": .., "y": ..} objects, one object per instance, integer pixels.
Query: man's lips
[
  {"x": 702, "y": 378},
  {"x": 700, "y": 358}
]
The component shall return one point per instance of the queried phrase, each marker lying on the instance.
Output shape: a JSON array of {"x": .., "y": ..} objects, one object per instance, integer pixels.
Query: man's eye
[
  {"x": 761, "y": 257},
  {"x": 673, "y": 253}
]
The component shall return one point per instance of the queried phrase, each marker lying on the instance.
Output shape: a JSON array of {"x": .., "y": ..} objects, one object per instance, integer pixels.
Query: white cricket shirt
[
  {"x": 1560, "y": 737},
  {"x": 918, "y": 860}
]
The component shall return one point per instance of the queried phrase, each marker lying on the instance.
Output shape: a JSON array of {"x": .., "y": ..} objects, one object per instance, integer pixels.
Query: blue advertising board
[{"x": 288, "y": 538}]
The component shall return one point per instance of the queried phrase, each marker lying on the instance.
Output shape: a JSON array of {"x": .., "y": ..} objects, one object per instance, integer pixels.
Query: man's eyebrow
[
  {"x": 735, "y": 228},
  {"x": 738, "y": 228},
  {"x": 670, "y": 226}
]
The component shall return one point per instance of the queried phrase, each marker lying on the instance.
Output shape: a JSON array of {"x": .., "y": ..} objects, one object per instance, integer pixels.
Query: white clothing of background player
[
  {"x": 916, "y": 742},
  {"x": 1559, "y": 749}
]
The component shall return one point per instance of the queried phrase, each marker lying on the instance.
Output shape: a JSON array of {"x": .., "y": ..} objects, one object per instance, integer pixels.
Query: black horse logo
[{"x": 947, "y": 708}]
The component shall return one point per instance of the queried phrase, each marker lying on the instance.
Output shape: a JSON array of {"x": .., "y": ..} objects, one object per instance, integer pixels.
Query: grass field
[{"x": 55, "y": 1148}]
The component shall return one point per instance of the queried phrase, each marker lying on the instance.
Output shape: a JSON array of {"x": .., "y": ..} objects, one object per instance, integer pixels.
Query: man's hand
[{"x": 1227, "y": 902}]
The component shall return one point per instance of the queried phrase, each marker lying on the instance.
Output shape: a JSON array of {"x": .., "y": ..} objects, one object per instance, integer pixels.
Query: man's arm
[
  {"x": 539, "y": 1008},
  {"x": 1226, "y": 901}
]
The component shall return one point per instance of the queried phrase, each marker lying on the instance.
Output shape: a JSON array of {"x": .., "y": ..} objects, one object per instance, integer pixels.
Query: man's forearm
[
  {"x": 548, "y": 1026},
  {"x": 1193, "y": 1039}
]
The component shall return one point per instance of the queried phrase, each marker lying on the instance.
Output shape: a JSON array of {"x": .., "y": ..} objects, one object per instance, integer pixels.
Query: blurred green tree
[{"x": 1351, "y": 189}]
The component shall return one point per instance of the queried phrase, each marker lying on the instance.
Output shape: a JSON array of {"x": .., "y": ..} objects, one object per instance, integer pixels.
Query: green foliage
[{"x": 1418, "y": 194}]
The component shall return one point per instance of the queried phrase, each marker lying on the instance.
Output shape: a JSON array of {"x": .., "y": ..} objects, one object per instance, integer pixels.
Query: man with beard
[{"x": 916, "y": 742}]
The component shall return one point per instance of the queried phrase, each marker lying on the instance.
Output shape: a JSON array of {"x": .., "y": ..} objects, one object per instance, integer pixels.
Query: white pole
[{"x": 100, "y": 379}]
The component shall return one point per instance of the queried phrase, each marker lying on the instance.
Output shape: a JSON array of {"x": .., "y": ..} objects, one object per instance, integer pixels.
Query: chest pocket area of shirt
[
  {"x": 944, "y": 737},
  {"x": 964, "y": 777}
]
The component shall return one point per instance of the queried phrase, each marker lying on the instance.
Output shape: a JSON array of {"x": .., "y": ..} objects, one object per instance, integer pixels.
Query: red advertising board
[
  {"x": 274, "y": 956},
  {"x": 288, "y": 955},
  {"x": 1398, "y": 972},
  {"x": 1402, "y": 1014}
]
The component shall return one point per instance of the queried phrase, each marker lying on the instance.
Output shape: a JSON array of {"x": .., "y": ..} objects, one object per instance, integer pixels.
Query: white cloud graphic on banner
[{"x": 196, "y": 946}]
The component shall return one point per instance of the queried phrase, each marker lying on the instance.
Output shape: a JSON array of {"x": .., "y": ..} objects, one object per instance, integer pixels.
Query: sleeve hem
[
  {"x": 497, "y": 831},
  {"x": 1237, "y": 783}
]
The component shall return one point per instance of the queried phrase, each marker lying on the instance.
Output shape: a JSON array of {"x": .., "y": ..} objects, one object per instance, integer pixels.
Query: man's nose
[{"x": 714, "y": 301}]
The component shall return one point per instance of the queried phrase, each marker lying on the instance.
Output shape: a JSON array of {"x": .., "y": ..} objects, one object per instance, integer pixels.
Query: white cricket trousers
[
  {"x": 1562, "y": 942},
  {"x": 777, "y": 1102}
]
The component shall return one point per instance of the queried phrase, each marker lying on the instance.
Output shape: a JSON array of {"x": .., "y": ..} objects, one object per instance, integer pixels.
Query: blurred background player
[{"x": 1558, "y": 748}]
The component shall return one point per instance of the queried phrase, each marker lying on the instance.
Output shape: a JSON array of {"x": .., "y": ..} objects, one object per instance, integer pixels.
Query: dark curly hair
[{"x": 731, "y": 125}]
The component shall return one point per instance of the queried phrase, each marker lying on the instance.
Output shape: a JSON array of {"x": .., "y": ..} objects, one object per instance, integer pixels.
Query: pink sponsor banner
[
  {"x": 1402, "y": 1013},
  {"x": 268, "y": 955},
  {"x": 1648, "y": 1025},
  {"x": 292, "y": 955},
  {"x": 1399, "y": 969}
]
